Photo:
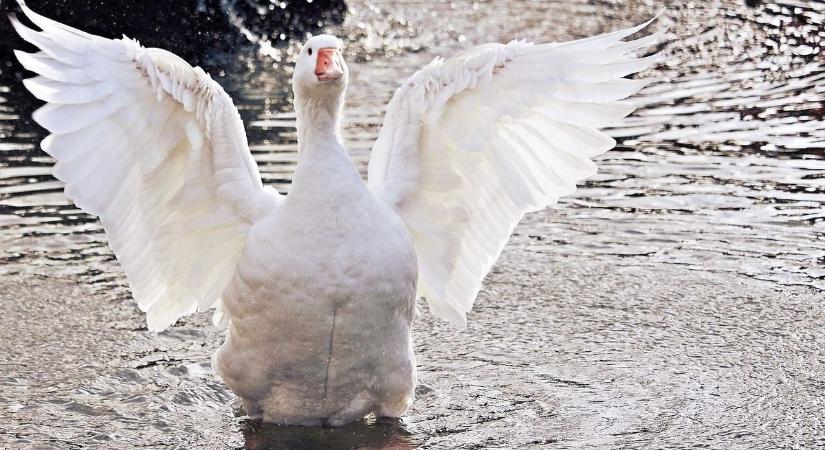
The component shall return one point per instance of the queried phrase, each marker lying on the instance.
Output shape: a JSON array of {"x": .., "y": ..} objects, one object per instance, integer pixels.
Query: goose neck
[{"x": 318, "y": 124}]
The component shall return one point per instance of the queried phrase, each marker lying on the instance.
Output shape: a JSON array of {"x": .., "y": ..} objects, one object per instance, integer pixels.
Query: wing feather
[
  {"x": 157, "y": 150},
  {"x": 470, "y": 144}
]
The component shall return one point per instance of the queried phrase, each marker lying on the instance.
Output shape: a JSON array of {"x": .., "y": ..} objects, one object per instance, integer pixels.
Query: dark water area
[
  {"x": 675, "y": 301},
  {"x": 195, "y": 30}
]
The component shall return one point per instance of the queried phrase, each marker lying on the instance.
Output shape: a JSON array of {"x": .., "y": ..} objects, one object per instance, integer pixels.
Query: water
[{"x": 674, "y": 301}]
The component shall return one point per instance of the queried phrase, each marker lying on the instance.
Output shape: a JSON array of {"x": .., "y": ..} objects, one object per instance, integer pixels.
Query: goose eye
[{"x": 310, "y": 51}]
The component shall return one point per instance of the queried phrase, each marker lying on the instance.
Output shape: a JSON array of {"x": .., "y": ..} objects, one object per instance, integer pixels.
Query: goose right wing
[{"x": 157, "y": 150}]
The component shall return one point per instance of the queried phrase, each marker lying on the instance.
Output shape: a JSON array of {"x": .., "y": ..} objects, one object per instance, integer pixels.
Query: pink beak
[{"x": 326, "y": 68}]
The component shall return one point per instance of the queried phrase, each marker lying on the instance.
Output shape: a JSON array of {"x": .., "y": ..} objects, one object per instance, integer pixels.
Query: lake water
[{"x": 676, "y": 300}]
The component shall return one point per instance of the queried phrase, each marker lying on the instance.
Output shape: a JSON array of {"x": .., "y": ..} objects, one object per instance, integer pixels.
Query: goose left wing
[{"x": 468, "y": 145}]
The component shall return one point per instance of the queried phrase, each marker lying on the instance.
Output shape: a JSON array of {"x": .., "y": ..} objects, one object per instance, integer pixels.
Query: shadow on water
[{"x": 366, "y": 434}]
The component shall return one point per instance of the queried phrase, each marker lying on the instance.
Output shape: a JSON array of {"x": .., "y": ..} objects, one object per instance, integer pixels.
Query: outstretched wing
[
  {"x": 470, "y": 144},
  {"x": 157, "y": 150}
]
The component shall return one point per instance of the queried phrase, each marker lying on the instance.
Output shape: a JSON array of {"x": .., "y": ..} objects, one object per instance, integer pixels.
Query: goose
[{"x": 317, "y": 289}]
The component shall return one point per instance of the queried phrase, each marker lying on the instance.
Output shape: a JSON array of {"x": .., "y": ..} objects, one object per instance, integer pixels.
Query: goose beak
[{"x": 326, "y": 66}]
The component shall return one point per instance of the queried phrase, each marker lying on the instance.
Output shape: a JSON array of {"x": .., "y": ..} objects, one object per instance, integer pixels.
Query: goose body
[
  {"x": 321, "y": 307},
  {"x": 317, "y": 289}
]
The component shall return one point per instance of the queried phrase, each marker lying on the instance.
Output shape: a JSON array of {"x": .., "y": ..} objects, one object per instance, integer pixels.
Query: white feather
[
  {"x": 494, "y": 132},
  {"x": 133, "y": 138}
]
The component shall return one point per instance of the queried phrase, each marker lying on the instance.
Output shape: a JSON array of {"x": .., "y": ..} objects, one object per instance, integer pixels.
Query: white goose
[{"x": 318, "y": 288}]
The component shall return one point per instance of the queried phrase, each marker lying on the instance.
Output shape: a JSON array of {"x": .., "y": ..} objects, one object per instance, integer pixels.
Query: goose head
[{"x": 320, "y": 72}]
